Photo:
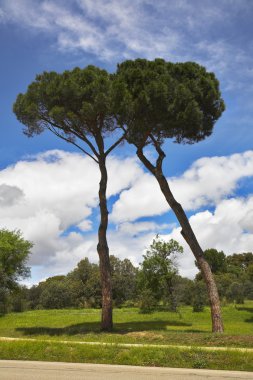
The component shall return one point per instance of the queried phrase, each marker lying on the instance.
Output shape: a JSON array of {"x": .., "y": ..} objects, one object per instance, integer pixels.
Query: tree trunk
[
  {"x": 171, "y": 292},
  {"x": 103, "y": 252},
  {"x": 190, "y": 238}
]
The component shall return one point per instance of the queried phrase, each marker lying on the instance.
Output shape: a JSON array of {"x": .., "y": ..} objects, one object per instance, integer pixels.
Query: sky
[{"x": 48, "y": 189}]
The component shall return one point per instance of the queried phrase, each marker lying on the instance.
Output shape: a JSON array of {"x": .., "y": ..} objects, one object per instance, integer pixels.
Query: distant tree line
[{"x": 156, "y": 283}]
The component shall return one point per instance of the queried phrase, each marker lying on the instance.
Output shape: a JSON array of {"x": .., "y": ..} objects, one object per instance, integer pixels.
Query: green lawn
[{"x": 163, "y": 327}]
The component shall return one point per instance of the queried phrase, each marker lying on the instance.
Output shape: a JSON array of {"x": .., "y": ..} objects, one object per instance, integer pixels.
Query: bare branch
[
  {"x": 81, "y": 137},
  {"x": 145, "y": 161},
  {"x": 52, "y": 129},
  {"x": 87, "y": 141},
  {"x": 113, "y": 146},
  {"x": 161, "y": 154}
]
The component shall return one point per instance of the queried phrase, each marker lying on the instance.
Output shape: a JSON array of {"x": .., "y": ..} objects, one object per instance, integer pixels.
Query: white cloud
[
  {"x": 56, "y": 190},
  {"x": 139, "y": 227},
  {"x": 227, "y": 228},
  {"x": 9, "y": 195},
  {"x": 143, "y": 199},
  {"x": 208, "y": 180},
  {"x": 52, "y": 192}
]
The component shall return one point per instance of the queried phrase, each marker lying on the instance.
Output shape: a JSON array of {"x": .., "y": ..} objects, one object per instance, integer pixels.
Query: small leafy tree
[
  {"x": 84, "y": 282},
  {"x": 14, "y": 253},
  {"x": 199, "y": 296},
  {"x": 158, "y": 270},
  {"x": 19, "y": 300},
  {"x": 235, "y": 293},
  {"x": 239, "y": 263},
  {"x": 216, "y": 260},
  {"x": 55, "y": 295},
  {"x": 76, "y": 107},
  {"x": 124, "y": 278},
  {"x": 159, "y": 100}
]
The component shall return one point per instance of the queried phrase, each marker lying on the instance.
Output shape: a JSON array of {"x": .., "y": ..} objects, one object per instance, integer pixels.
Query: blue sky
[{"x": 212, "y": 179}]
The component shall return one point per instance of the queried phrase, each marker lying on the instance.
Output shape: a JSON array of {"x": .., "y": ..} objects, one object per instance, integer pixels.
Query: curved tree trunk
[
  {"x": 103, "y": 252},
  {"x": 190, "y": 238}
]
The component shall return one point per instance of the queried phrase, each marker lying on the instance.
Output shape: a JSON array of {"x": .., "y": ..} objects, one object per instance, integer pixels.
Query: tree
[
  {"x": 239, "y": 262},
  {"x": 158, "y": 270},
  {"x": 76, "y": 106},
  {"x": 199, "y": 296},
  {"x": 124, "y": 277},
  {"x": 14, "y": 253},
  {"x": 55, "y": 294},
  {"x": 250, "y": 272},
  {"x": 235, "y": 293},
  {"x": 158, "y": 100},
  {"x": 85, "y": 284},
  {"x": 19, "y": 301},
  {"x": 216, "y": 260}
]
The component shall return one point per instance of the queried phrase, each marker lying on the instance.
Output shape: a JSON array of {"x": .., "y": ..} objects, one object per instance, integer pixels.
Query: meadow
[{"x": 161, "y": 338}]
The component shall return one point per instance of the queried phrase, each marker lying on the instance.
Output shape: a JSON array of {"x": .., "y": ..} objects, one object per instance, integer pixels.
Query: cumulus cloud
[
  {"x": 51, "y": 198},
  {"x": 9, "y": 195},
  {"x": 139, "y": 227},
  {"x": 53, "y": 191},
  {"x": 205, "y": 183},
  {"x": 227, "y": 228}
]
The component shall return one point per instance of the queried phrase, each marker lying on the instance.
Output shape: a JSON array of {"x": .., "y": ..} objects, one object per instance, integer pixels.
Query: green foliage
[
  {"x": 55, "y": 294},
  {"x": 168, "y": 100},
  {"x": 14, "y": 253},
  {"x": 124, "y": 277},
  {"x": 232, "y": 274},
  {"x": 235, "y": 293},
  {"x": 199, "y": 297},
  {"x": 159, "y": 269},
  {"x": 156, "y": 283},
  {"x": 216, "y": 260},
  {"x": 19, "y": 300},
  {"x": 82, "y": 286},
  {"x": 76, "y": 103},
  {"x": 147, "y": 302},
  {"x": 239, "y": 263},
  {"x": 85, "y": 285},
  {"x": 250, "y": 272}
]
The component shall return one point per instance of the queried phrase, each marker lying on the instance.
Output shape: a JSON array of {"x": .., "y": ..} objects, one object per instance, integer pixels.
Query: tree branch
[
  {"x": 53, "y": 130},
  {"x": 115, "y": 145},
  {"x": 161, "y": 154},
  {"x": 145, "y": 161},
  {"x": 87, "y": 141},
  {"x": 81, "y": 137}
]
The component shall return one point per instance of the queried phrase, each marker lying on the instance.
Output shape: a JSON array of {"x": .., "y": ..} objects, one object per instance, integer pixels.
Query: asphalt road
[{"x": 17, "y": 370}]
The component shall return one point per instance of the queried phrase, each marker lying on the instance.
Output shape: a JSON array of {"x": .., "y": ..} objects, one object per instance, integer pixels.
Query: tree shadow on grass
[
  {"x": 94, "y": 327},
  {"x": 243, "y": 308},
  {"x": 250, "y": 310}
]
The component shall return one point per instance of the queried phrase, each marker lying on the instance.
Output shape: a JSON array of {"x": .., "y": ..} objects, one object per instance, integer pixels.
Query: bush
[
  {"x": 235, "y": 293},
  {"x": 147, "y": 302},
  {"x": 199, "y": 298}
]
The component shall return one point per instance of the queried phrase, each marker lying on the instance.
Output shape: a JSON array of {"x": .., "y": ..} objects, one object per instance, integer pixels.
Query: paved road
[{"x": 20, "y": 370}]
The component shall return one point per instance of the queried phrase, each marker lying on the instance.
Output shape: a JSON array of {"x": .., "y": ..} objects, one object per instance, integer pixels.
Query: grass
[
  {"x": 163, "y": 327},
  {"x": 166, "y": 357}
]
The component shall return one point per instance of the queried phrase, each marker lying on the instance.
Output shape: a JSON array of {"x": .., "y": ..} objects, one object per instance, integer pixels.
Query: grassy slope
[{"x": 131, "y": 327}]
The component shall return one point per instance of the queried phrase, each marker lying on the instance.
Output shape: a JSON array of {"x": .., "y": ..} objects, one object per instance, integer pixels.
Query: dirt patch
[{"x": 146, "y": 335}]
